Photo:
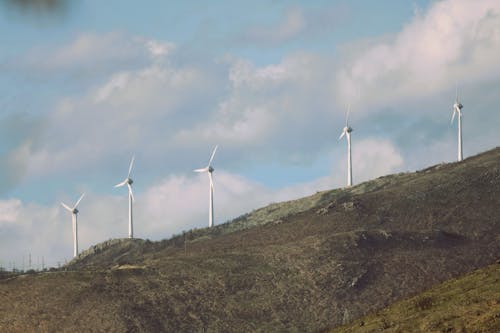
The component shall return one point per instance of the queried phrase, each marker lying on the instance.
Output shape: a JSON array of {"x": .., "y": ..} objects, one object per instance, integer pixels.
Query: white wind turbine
[
  {"x": 209, "y": 169},
  {"x": 457, "y": 109},
  {"x": 128, "y": 181},
  {"x": 347, "y": 132},
  {"x": 74, "y": 213}
]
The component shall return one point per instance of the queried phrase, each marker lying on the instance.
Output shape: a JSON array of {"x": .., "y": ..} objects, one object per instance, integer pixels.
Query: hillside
[
  {"x": 468, "y": 304},
  {"x": 299, "y": 266}
]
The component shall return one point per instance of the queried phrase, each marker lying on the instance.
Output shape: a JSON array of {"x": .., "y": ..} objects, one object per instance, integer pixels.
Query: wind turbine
[
  {"x": 128, "y": 181},
  {"x": 209, "y": 169},
  {"x": 457, "y": 109},
  {"x": 347, "y": 132},
  {"x": 74, "y": 213}
]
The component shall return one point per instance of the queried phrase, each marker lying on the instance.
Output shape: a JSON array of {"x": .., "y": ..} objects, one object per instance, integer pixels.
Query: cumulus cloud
[
  {"x": 371, "y": 158},
  {"x": 28, "y": 228},
  {"x": 91, "y": 54},
  {"x": 9, "y": 211},
  {"x": 454, "y": 41},
  {"x": 279, "y": 103},
  {"x": 131, "y": 110}
]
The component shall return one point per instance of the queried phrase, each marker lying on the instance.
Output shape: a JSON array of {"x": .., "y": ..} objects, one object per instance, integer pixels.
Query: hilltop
[{"x": 303, "y": 265}]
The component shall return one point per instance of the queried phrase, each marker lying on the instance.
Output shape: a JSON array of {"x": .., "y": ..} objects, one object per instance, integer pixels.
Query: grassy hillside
[
  {"x": 298, "y": 266},
  {"x": 468, "y": 304}
]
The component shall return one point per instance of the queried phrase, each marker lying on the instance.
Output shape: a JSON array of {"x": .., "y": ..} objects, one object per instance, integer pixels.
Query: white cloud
[
  {"x": 181, "y": 203},
  {"x": 91, "y": 47},
  {"x": 132, "y": 109},
  {"x": 455, "y": 41},
  {"x": 371, "y": 158},
  {"x": 282, "y": 103},
  {"x": 242, "y": 73},
  {"x": 159, "y": 50},
  {"x": 9, "y": 211},
  {"x": 92, "y": 54},
  {"x": 117, "y": 82},
  {"x": 251, "y": 126},
  {"x": 33, "y": 229}
]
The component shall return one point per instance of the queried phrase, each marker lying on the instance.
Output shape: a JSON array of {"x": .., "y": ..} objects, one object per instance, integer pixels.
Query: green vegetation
[{"x": 467, "y": 304}]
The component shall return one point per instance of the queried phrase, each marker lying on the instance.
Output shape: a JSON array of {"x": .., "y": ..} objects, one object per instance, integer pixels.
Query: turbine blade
[
  {"x": 67, "y": 207},
  {"x": 342, "y": 135},
  {"x": 347, "y": 114},
  {"x": 130, "y": 191},
  {"x": 123, "y": 183},
  {"x": 201, "y": 170},
  {"x": 131, "y": 164},
  {"x": 212, "y": 156},
  {"x": 453, "y": 115},
  {"x": 81, "y": 197}
]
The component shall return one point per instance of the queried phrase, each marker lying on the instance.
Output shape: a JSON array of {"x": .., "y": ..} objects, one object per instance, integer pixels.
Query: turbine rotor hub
[
  {"x": 129, "y": 181},
  {"x": 75, "y": 211},
  {"x": 210, "y": 169}
]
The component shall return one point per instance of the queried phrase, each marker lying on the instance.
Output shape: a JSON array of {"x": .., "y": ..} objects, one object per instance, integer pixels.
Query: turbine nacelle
[
  {"x": 457, "y": 106},
  {"x": 345, "y": 130},
  {"x": 209, "y": 167},
  {"x": 457, "y": 109},
  {"x": 73, "y": 210},
  {"x": 128, "y": 181}
]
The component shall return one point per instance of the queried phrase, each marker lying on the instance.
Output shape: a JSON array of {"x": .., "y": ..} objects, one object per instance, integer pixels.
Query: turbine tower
[
  {"x": 347, "y": 132},
  {"x": 457, "y": 109},
  {"x": 128, "y": 181},
  {"x": 74, "y": 213},
  {"x": 209, "y": 169}
]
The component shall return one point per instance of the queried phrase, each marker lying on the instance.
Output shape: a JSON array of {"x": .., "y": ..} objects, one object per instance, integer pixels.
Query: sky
[{"x": 84, "y": 85}]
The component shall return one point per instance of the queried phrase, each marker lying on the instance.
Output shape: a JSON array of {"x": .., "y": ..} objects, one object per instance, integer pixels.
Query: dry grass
[{"x": 468, "y": 304}]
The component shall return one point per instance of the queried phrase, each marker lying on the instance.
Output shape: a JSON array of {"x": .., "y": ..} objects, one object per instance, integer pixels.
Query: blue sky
[{"x": 89, "y": 83}]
